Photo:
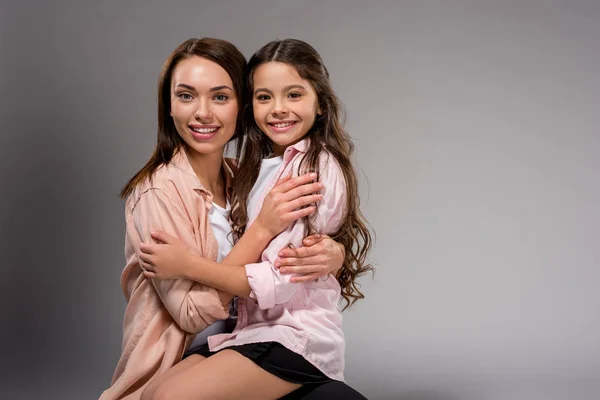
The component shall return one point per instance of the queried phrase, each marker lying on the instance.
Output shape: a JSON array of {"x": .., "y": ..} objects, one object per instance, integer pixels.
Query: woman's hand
[
  {"x": 167, "y": 259},
  {"x": 320, "y": 257},
  {"x": 289, "y": 200}
]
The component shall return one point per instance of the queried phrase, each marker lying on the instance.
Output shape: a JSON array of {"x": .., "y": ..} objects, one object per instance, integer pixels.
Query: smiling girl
[
  {"x": 184, "y": 190},
  {"x": 287, "y": 334}
]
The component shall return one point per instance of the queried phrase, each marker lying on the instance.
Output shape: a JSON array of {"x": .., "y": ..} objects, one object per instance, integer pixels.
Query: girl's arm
[
  {"x": 282, "y": 205},
  {"x": 259, "y": 280}
]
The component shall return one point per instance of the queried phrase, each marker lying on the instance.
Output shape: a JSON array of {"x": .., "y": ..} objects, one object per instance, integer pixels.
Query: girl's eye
[
  {"x": 294, "y": 95},
  {"x": 221, "y": 98},
  {"x": 262, "y": 97}
]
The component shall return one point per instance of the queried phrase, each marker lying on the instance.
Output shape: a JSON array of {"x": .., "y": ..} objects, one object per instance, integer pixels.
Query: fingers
[
  {"x": 281, "y": 181},
  {"x": 300, "y": 252},
  {"x": 305, "y": 278},
  {"x": 145, "y": 257},
  {"x": 301, "y": 213},
  {"x": 296, "y": 261},
  {"x": 304, "y": 270},
  {"x": 314, "y": 239},
  {"x": 290, "y": 184},
  {"x": 304, "y": 201},
  {"x": 150, "y": 274},
  {"x": 146, "y": 266},
  {"x": 298, "y": 192},
  {"x": 163, "y": 237},
  {"x": 146, "y": 248}
]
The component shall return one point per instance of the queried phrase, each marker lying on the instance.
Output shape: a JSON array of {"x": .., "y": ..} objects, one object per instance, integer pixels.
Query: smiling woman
[
  {"x": 183, "y": 190},
  {"x": 288, "y": 336},
  {"x": 204, "y": 106}
]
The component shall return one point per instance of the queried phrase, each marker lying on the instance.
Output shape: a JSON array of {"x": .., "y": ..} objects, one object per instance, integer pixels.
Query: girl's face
[
  {"x": 203, "y": 104},
  {"x": 285, "y": 105}
]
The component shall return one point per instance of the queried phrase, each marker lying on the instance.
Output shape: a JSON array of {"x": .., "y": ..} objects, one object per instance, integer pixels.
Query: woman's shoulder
[{"x": 167, "y": 180}]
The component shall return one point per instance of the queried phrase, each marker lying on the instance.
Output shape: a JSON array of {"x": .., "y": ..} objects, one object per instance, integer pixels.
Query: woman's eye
[
  {"x": 221, "y": 97},
  {"x": 294, "y": 95},
  {"x": 185, "y": 96},
  {"x": 262, "y": 97}
]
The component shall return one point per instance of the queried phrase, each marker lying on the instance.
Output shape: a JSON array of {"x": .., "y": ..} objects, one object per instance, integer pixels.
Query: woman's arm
[
  {"x": 261, "y": 280},
  {"x": 284, "y": 204},
  {"x": 192, "y": 305},
  {"x": 319, "y": 257}
]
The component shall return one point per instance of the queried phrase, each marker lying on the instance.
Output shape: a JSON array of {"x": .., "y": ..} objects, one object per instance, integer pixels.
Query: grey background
[{"x": 476, "y": 124}]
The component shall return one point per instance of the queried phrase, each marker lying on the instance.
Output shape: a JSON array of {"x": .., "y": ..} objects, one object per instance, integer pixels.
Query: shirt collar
[
  {"x": 182, "y": 163},
  {"x": 299, "y": 147}
]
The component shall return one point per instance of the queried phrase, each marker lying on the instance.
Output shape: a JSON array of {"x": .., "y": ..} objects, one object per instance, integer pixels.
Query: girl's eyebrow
[
  {"x": 290, "y": 87},
  {"x": 285, "y": 89}
]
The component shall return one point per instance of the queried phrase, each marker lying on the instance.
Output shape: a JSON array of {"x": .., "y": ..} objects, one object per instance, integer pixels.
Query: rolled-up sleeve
[
  {"x": 192, "y": 305},
  {"x": 268, "y": 286}
]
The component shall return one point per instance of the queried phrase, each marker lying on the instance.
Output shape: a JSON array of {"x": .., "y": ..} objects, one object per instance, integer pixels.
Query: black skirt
[{"x": 274, "y": 358}]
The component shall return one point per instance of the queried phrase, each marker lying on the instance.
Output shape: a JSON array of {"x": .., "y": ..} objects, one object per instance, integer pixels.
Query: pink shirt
[
  {"x": 163, "y": 316},
  {"x": 304, "y": 317}
]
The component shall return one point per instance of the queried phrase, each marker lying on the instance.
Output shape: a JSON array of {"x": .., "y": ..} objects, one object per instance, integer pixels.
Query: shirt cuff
[{"x": 262, "y": 285}]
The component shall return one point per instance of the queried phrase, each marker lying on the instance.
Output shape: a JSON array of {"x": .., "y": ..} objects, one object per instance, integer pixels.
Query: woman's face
[{"x": 204, "y": 106}]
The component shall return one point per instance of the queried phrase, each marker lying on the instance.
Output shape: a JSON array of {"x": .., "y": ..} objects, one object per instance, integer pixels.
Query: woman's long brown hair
[
  {"x": 328, "y": 131},
  {"x": 168, "y": 140}
]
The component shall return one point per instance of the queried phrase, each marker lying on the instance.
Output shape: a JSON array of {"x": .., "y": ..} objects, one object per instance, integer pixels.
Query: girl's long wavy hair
[
  {"x": 327, "y": 131},
  {"x": 168, "y": 140}
]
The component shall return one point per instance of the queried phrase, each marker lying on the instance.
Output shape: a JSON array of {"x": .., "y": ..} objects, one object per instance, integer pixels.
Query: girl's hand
[
  {"x": 167, "y": 259},
  {"x": 320, "y": 257},
  {"x": 289, "y": 200}
]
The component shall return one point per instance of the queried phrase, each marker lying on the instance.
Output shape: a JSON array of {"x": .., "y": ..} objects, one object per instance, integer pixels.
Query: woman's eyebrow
[
  {"x": 183, "y": 85},
  {"x": 214, "y": 89},
  {"x": 221, "y": 87}
]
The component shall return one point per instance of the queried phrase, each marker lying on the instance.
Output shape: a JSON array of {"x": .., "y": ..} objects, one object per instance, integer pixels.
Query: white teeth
[
  {"x": 204, "y": 130},
  {"x": 283, "y": 125}
]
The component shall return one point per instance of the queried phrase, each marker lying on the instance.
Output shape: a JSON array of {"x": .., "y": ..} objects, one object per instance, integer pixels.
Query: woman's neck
[{"x": 208, "y": 169}]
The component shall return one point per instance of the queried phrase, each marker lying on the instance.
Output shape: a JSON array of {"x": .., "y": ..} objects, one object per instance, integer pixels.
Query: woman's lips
[{"x": 203, "y": 132}]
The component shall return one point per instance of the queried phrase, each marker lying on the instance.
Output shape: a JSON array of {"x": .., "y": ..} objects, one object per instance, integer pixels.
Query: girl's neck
[
  {"x": 208, "y": 169},
  {"x": 278, "y": 150}
]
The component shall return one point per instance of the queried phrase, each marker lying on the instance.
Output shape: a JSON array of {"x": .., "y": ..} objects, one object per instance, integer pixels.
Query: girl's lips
[{"x": 283, "y": 126}]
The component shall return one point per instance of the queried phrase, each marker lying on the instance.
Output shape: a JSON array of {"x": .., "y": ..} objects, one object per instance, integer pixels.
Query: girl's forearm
[
  {"x": 229, "y": 276},
  {"x": 230, "y": 279},
  {"x": 250, "y": 246}
]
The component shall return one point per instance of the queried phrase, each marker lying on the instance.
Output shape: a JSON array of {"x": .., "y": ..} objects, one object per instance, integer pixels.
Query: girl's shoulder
[{"x": 329, "y": 167}]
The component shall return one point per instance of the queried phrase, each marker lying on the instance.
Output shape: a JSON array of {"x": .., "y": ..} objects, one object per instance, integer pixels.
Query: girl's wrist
[
  {"x": 192, "y": 261},
  {"x": 260, "y": 232}
]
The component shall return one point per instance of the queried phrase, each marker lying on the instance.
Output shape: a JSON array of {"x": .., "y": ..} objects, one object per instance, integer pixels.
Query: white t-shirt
[
  {"x": 218, "y": 218},
  {"x": 268, "y": 169},
  {"x": 219, "y": 222}
]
